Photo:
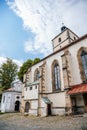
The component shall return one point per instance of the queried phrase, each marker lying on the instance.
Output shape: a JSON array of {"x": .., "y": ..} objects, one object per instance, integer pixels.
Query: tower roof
[{"x": 63, "y": 28}]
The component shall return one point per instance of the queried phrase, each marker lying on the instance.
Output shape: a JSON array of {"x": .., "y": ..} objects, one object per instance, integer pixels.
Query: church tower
[{"x": 64, "y": 38}]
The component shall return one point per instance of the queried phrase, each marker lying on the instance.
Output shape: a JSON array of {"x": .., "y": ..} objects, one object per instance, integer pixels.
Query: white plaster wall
[
  {"x": 31, "y": 94},
  {"x": 62, "y": 45},
  {"x": 58, "y": 111},
  {"x": 58, "y": 103},
  {"x": 76, "y": 77},
  {"x": 33, "y": 112},
  {"x": 43, "y": 108},
  {"x": 3, "y": 104},
  {"x": 72, "y": 35},
  {"x": 9, "y": 104},
  {"x": 63, "y": 36},
  {"x": 57, "y": 99},
  {"x": 34, "y": 104},
  {"x": 33, "y": 107}
]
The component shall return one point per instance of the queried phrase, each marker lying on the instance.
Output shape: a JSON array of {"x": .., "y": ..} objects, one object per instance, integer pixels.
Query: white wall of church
[
  {"x": 33, "y": 107},
  {"x": 43, "y": 108},
  {"x": 31, "y": 94},
  {"x": 58, "y": 103},
  {"x": 76, "y": 77}
]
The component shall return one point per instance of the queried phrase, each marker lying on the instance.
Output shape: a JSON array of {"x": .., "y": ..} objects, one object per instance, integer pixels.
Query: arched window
[
  {"x": 84, "y": 62},
  {"x": 55, "y": 76},
  {"x": 27, "y": 106},
  {"x": 36, "y": 75}
]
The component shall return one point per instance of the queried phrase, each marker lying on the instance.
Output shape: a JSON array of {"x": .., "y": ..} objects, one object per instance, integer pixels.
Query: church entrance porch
[
  {"x": 79, "y": 103},
  {"x": 78, "y": 96}
]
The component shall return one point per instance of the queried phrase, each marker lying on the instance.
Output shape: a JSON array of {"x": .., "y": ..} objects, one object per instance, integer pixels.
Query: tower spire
[{"x": 63, "y": 27}]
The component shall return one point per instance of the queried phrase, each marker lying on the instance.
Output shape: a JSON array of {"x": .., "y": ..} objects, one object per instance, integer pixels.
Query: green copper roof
[
  {"x": 46, "y": 100},
  {"x": 31, "y": 84}
]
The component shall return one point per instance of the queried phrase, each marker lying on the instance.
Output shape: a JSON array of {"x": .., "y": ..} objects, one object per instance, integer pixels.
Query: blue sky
[
  {"x": 13, "y": 35},
  {"x": 28, "y": 26}
]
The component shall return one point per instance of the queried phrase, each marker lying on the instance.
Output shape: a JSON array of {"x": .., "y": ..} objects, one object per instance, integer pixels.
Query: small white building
[{"x": 11, "y": 98}]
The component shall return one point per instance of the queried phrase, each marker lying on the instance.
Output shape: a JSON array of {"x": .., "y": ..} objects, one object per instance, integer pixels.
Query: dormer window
[{"x": 59, "y": 39}]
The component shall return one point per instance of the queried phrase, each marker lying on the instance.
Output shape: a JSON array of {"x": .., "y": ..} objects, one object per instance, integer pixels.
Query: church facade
[{"x": 57, "y": 85}]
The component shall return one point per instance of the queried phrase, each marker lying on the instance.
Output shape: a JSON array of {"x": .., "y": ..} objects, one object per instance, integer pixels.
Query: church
[{"x": 57, "y": 85}]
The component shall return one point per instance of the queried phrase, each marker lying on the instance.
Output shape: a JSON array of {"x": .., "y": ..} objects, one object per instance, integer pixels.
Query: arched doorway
[
  {"x": 17, "y": 105},
  {"x": 27, "y": 106}
]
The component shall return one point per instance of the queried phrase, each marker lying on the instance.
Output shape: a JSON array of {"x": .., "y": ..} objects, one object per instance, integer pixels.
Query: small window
[
  {"x": 74, "y": 38},
  {"x": 30, "y": 88},
  {"x": 59, "y": 39},
  {"x": 17, "y": 97},
  {"x": 36, "y": 87},
  {"x": 3, "y": 99}
]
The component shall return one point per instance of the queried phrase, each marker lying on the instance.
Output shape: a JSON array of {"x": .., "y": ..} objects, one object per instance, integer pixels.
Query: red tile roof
[{"x": 81, "y": 88}]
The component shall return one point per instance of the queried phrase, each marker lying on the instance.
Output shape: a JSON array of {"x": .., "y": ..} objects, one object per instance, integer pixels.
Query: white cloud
[
  {"x": 44, "y": 18},
  {"x": 19, "y": 63},
  {"x": 3, "y": 60}
]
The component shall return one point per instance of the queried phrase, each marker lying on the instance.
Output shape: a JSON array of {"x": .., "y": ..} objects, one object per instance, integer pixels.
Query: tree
[
  {"x": 8, "y": 72},
  {"x": 36, "y": 60},
  {"x": 24, "y": 68},
  {"x": 26, "y": 65}
]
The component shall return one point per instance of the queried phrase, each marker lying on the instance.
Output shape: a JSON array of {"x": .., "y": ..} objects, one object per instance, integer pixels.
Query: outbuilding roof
[{"x": 80, "y": 88}]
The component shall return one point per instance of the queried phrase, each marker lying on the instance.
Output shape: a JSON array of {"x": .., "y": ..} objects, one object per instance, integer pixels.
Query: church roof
[
  {"x": 80, "y": 88},
  {"x": 11, "y": 90},
  {"x": 46, "y": 100},
  {"x": 63, "y": 31}
]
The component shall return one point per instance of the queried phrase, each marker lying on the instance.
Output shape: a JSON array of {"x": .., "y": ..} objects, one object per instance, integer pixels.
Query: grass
[{"x": 2, "y": 113}]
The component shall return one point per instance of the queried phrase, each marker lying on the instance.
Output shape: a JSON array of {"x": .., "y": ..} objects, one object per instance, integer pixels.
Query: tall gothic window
[
  {"x": 84, "y": 62},
  {"x": 56, "y": 76},
  {"x": 36, "y": 75}
]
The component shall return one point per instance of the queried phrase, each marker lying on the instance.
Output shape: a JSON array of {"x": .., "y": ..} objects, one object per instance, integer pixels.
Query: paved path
[{"x": 17, "y": 121}]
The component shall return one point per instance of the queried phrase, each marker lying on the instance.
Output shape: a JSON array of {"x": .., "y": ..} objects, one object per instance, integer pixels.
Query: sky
[{"x": 28, "y": 26}]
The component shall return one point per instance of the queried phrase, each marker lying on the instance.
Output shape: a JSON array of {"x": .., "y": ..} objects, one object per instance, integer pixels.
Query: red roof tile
[{"x": 81, "y": 88}]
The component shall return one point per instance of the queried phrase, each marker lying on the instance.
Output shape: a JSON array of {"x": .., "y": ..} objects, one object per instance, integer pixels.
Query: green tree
[
  {"x": 36, "y": 60},
  {"x": 26, "y": 65},
  {"x": 24, "y": 68},
  {"x": 8, "y": 72}
]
